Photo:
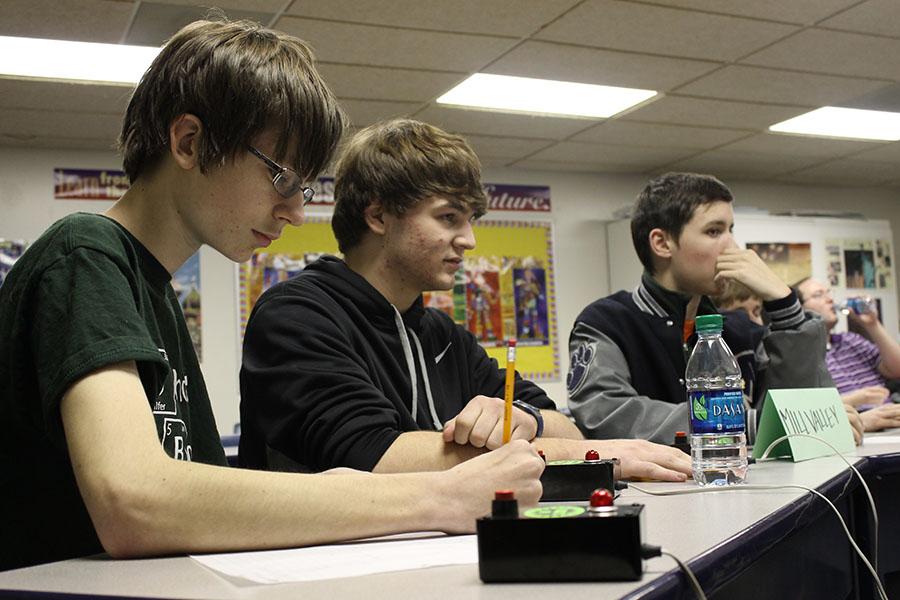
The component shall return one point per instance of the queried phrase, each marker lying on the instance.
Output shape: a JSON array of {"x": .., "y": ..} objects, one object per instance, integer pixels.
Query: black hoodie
[{"x": 327, "y": 370}]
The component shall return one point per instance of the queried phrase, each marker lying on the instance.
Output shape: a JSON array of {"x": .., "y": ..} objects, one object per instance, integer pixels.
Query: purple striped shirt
[{"x": 853, "y": 361}]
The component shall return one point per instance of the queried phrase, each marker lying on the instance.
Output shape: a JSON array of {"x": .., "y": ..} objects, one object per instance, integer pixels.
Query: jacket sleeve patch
[{"x": 578, "y": 366}]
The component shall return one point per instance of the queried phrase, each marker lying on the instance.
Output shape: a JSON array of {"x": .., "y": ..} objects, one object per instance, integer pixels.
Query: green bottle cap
[{"x": 708, "y": 323}]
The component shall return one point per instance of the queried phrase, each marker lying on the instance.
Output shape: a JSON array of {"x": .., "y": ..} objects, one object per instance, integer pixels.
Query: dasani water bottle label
[{"x": 717, "y": 411}]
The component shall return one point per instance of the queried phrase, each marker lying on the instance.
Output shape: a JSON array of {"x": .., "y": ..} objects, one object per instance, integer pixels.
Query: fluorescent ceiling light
[
  {"x": 59, "y": 59},
  {"x": 834, "y": 121},
  {"x": 543, "y": 96}
]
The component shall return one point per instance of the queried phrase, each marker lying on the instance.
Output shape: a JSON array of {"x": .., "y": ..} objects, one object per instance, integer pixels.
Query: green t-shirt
[{"x": 85, "y": 295}]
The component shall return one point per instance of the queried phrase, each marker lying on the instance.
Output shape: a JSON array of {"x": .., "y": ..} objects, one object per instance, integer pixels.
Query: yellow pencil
[{"x": 510, "y": 390}]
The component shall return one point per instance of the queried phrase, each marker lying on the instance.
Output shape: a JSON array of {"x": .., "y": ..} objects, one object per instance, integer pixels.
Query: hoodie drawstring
[
  {"x": 410, "y": 365},
  {"x": 437, "y": 422},
  {"x": 407, "y": 353}
]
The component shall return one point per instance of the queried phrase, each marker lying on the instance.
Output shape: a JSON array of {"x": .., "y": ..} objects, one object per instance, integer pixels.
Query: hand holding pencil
[{"x": 488, "y": 422}]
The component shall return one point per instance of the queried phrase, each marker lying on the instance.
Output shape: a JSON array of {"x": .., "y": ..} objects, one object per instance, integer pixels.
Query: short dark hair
[
  {"x": 239, "y": 78},
  {"x": 398, "y": 163},
  {"x": 668, "y": 202}
]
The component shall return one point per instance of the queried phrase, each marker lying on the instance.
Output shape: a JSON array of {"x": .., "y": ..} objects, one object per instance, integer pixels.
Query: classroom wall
[{"x": 582, "y": 205}]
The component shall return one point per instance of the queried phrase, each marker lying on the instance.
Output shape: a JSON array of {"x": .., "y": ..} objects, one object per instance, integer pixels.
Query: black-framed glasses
[{"x": 286, "y": 181}]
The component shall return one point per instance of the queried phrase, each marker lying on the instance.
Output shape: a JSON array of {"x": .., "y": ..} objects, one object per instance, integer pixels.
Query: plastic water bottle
[
  {"x": 858, "y": 305},
  {"x": 713, "y": 378}
]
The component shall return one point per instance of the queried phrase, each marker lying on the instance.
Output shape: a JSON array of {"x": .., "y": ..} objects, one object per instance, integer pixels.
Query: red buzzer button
[
  {"x": 591, "y": 455},
  {"x": 504, "y": 495},
  {"x": 601, "y": 497}
]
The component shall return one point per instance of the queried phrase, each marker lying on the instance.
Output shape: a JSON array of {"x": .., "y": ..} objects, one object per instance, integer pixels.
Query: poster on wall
[
  {"x": 883, "y": 277},
  {"x": 186, "y": 283},
  {"x": 10, "y": 251},
  {"x": 859, "y": 264},
  {"x": 504, "y": 288},
  {"x": 835, "y": 268},
  {"x": 791, "y": 262},
  {"x": 532, "y": 323},
  {"x": 508, "y": 292}
]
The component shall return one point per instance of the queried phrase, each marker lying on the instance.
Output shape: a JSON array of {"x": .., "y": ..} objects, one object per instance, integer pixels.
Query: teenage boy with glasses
[
  {"x": 344, "y": 366},
  {"x": 100, "y": 389}
]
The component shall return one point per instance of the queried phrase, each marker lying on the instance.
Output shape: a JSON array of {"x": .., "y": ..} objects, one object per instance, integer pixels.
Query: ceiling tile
[
  {"x": 846, "y": 171},
  {"x": 383, "y": 46},
  {"x": 875, "y": 16},
  {"x": 803, "y": 12},
  {"x": 796, "y": 145},
  {"x": 42, "y": 94},
  {"x": 365, "y": 112},
  {"x": 260, "y": 6},
  {"x": 618, "y": 131},
  {"x": 154, "y": 22},
  {"x": 504, "y": 147},
  {"x": 606, "y": 67},
  {"x": 572, "y": 166},
  {"x": 85, "y": 21},
  {"x": 637, "y": 157},
  {"x": 885, "y": 98},
  {"x": 511, "y": 17},
  {"x": 41, "y": 123},
  {"x": 713, "y": 113},
  {"x": 378, "y": 83},
  {"x": 882, "y": 153},
  {"x": 757, "y": 84},
  {"x": 833, "y": 52},
  {"x": 491, "y": 163},
  {"x": 733, "y": 164},
  {"x": 639, "y": 28},
  {"x": 501, "y": 124}
]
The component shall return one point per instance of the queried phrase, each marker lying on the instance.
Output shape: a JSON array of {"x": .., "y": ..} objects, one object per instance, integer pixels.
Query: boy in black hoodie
[{"x": 343, "y": 366}]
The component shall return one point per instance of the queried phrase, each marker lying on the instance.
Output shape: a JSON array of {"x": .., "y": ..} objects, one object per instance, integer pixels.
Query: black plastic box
[{"x": 585, "y": 546}]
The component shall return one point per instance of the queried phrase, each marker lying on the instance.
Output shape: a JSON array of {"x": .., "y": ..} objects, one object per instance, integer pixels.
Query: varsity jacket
[
  {"x": 333, "y": 373},
  {"x": 628, "y": 359}
]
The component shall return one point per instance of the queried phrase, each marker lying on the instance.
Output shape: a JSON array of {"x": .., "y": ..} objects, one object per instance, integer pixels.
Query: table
[{"x": 747, "y": 544}]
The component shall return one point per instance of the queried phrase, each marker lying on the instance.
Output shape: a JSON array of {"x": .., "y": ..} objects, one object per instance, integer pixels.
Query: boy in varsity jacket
[
  {"x": 629, "y": 350},
  {"x": 343, "y": 366}
]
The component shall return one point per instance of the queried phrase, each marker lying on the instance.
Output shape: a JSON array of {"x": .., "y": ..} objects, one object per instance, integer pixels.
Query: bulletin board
[
  {"x": 852, "y": 257},
  {"x": 504, "y": 289}
]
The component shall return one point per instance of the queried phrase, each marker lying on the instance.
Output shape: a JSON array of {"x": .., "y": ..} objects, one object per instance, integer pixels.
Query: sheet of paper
[{"x": 344, "y": 560}]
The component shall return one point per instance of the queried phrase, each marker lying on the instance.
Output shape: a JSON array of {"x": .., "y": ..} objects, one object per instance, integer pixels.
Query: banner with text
[
  {"x": 520, "y": 198},
  {"x": 89, "y": 184},
  {"x": 110, "y": 184}
]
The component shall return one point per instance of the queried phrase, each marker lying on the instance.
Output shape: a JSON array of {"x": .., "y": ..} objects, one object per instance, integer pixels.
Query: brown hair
[
  {"x": 239, "y": 78},
  {"x": 399, "y": 163},
  {"x": 734, "y": 292}
]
